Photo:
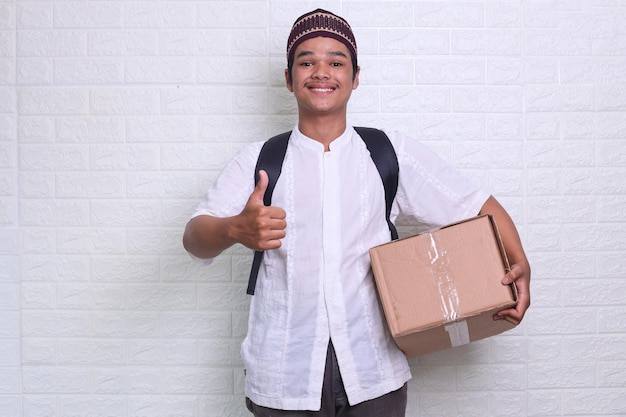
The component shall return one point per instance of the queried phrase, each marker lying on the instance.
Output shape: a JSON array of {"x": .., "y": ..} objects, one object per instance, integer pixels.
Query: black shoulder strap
[
  {"x": 271, "y": 161},
  {"x": 381, "y": 151},
  {"x": 384, "y": 156}
]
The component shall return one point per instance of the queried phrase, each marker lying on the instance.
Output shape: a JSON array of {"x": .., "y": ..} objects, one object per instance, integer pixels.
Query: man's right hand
[{"x": 259, "y": 227}]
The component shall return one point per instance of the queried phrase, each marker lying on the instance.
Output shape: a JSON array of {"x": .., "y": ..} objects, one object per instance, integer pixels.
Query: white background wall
[{"x": 115, "y": 116}]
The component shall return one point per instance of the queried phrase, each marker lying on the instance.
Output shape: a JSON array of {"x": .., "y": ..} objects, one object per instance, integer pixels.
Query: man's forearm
[
  {"x": 206, "y": 236},
  {"x": 508, "y": 233}
]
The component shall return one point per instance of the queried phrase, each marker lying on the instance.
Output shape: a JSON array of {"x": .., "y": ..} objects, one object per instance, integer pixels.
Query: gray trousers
[{"x": 335, "y": 400}]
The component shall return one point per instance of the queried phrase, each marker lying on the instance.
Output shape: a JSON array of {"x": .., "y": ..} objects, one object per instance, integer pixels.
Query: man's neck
[{"x": 323, "y": 129}]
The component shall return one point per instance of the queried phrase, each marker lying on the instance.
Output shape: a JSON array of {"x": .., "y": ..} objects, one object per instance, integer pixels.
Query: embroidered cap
[{"x": 320, "y": 23}]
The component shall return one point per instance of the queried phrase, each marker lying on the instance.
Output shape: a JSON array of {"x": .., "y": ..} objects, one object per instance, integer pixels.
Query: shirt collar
[{"x": 300, "y": 139}]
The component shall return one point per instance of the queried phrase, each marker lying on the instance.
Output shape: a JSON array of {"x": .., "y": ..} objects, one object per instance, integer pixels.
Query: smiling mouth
[{"x": 322, "y": 89}]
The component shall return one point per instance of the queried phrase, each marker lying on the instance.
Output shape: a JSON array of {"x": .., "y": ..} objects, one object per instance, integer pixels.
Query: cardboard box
[{"x": 441, "y": 288}]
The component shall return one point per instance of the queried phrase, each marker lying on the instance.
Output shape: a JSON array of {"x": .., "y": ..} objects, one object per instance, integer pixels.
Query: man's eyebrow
[
  {"x": 331, "y": 53},
  {"x": 304, "y": 53},
  {"x": 337, "y": 53}
]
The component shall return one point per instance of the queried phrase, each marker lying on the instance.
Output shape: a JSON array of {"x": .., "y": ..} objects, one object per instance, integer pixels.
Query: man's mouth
[{"x": 322, "y": 90}]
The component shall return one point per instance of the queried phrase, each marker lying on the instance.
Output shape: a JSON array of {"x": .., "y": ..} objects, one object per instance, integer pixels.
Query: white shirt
[{"x": 319, "y": 284}]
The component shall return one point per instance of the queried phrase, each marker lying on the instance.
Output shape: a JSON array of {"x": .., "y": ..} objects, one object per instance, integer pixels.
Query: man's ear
[
  {"x": 288, "y": 80},
  {"x": 355, "y": 81}
]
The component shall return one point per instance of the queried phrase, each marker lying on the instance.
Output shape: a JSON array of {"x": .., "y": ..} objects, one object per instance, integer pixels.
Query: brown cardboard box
[{"x": 440, "y": 289}]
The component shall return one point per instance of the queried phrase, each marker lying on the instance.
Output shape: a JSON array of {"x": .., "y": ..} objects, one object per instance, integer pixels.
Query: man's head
[{"x": 321, "y": 23}]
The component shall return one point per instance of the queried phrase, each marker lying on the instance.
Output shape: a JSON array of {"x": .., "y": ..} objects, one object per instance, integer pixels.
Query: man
[{"x": 317, "y": 343}]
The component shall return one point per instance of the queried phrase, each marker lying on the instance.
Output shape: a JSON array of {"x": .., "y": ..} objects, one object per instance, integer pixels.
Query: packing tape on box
[
  {"x": 440, "y": 266},
  {"x": 457, "y": 329},
  {"x": 458, "y": 332}
]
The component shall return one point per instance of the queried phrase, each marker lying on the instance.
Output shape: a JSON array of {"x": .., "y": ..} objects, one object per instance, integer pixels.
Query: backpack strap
[
  {"x": 381, "y": 151},
  {"x": 384, "y": 156},
  {"x": 271, "y": 161}
]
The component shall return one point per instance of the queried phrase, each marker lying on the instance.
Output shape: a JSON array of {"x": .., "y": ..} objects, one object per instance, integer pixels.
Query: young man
[{"x": 317, "y": 343}]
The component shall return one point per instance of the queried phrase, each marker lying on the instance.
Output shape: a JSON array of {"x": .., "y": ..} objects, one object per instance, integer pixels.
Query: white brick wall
[{"x": 115, "y": 116}]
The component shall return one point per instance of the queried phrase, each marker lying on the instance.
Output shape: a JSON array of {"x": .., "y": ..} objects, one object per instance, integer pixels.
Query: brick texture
[{"x": 115, "y": 117}]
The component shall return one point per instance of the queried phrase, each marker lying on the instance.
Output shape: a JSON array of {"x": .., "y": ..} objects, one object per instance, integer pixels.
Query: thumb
[{"x": 259, "y": 189}]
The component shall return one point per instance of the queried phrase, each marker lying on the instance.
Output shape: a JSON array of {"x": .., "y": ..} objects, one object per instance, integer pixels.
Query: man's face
[{"x": 322, "y": 76}]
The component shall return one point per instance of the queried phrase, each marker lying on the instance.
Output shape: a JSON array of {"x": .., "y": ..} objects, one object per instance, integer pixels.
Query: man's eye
[
  {"x": 305, "y": 64},
  {"x": 336, "y": 64}
]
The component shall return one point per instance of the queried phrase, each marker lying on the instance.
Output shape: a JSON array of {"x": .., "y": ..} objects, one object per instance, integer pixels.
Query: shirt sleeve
[
  {"x": 232, "y": 188},
  {"x": 431, "y": 191}
]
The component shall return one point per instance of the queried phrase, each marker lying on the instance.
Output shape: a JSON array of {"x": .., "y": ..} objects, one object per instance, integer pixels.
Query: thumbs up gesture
[{"x": 260, "y": 227}]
